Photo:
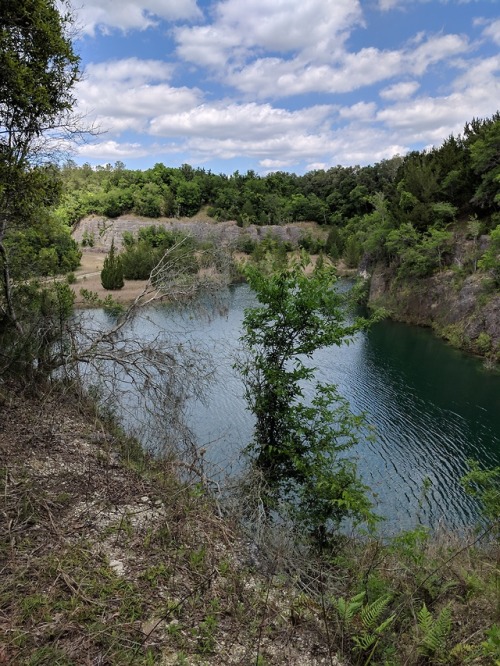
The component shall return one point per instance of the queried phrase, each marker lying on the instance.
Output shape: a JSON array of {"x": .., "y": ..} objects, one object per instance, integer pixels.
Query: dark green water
[
  {"x": 432, "y": 409},
  {"x": 431, "y": 406}
]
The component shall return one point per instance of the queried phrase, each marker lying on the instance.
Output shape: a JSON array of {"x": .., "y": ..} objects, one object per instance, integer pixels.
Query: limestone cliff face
[
  {"x": 464, "y": 312},
  {"x": 103, "y": 230}
]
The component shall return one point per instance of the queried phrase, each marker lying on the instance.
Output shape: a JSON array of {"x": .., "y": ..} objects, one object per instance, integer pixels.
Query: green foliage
[
  {"x": 348, "y": 609},
  {"x": 299, "y": 448},
  {"x": 270, "y": 253},
  {"x": 141, "y": 255},
  {"x": 246, "y": 244},
  {"x": 44, "y": 310},
  {"x": 485, "y": 485},
  {"x": 415, "y": 254},
  {"x": 352, "y": 252},
  {"x": 38, "y": 69},
  {"x": 410, "y": 545},
  {"x": 433, "y": 633},
  {"x": 310, "y": 244},
  {"x": 112, "y": 308},
  {"x": 112, "y": 270},
  {"x": 334, "y": 245},
  {"x": 483, "y": 343},
  {"x": 364, "y": 624},
  {"x": 490, "y": 261},
  {"x": 491, "y": 646},
  {"x": 188, "y": 198},
  {"x": 484, "y": 152}
]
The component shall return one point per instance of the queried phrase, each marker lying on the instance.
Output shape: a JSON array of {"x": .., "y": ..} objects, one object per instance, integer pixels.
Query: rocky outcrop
[
  {"x": 103, "y": 230},
  {"x": 464, "y": 311}
]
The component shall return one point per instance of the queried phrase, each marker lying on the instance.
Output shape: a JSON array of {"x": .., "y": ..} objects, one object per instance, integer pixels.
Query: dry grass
[{"x": 107, "y": 558}]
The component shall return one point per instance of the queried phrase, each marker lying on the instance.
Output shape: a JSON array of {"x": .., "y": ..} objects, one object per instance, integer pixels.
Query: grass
[{"x": 106, "y": 557}]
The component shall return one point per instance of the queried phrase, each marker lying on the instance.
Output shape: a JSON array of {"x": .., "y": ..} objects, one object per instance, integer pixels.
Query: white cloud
[
  {"x": 386, "y": 5},
  {"x": 132, "y": 71},
  {"x": 317, "y": 166},
  {"x": 130, "y": 14},
  {"x": 245, "y": 27},
  {"x": 261, "y": 50},
  {"x": 125, "y": 94},
  {"x": 361, "y": 111},
  {"x": 108, "y": 150},
  {"x": 492, "y": 31},
  {"x": 401, "y": 90},
  {"x": 481, "y": 76},
  {"x": 292, "y": 147},
  {"x": 434, "y": 50},
  {"x": 207, "y": 46},
  {"x": 428, "y": 120},
  {"x": 273, "y": 77},
  {"x": 276, "y": 77},
  {"x": 231, "y": 122},
  {"x": 288, "y": 25},
  {"x": 274, "y": 165}
]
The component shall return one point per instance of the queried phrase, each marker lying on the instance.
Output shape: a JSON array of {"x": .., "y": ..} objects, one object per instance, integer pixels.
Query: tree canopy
[{"x": 38, "y": 70}]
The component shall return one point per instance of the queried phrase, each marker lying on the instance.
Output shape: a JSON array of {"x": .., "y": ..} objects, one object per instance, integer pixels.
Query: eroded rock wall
[{"x": 465, "y": 311}]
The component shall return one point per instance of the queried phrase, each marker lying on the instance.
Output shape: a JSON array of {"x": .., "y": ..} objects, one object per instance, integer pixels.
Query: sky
[{"x": 281, "y": 85}]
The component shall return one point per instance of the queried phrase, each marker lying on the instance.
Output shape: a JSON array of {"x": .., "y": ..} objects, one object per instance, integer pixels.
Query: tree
[
  {"x": 490, "y": 261},
  {"x": 38, "y": 69},
  {"x": 334, "y": 245},
  {"x": 297, "y": 447},
  {"x": 112, "y": 270},
  {"x": 485, "y": 158}
]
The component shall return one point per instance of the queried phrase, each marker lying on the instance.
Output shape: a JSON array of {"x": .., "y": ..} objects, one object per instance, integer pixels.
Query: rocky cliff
[
  {"x": 465, "y": 311},
  {"x": 103, "y": 230}
]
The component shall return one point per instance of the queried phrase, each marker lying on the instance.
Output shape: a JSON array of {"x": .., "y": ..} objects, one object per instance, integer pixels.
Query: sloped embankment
[
  {"x": 106, "y": 558},
  {"x": 464, "y": 311}
]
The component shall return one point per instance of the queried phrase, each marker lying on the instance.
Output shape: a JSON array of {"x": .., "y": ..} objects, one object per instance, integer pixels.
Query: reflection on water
[{"x": 432, "y": 408}]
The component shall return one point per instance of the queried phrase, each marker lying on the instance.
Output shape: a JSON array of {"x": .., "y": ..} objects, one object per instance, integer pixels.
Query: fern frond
[
  {"x": 371, "y": 612},
  {"x": 425, "y": 620},
  {"x": 346, "y": 610},
  {"x": 434, "y": 631},
  {"x": 380, "y": 629},
  {"x": 364, "y": 641}
]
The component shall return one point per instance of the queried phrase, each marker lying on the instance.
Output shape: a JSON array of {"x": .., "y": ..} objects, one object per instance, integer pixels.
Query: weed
[{"x": 197, "y": 559}]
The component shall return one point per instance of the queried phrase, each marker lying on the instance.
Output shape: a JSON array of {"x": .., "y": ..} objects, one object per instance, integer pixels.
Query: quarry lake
[{"x": 431, "y": 409}]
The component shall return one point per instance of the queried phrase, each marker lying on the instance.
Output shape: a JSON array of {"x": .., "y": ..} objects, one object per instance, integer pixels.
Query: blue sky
[{"x": 290, "y": 85}]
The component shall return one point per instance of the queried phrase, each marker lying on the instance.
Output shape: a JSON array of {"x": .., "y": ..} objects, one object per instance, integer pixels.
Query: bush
[{"x": 112, "y": 271}]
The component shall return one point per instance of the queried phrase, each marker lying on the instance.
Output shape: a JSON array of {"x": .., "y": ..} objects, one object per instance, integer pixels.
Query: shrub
[{"x": 112, "y": 271}]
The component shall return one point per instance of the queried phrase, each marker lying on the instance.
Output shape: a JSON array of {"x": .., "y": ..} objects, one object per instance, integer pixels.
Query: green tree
[
  {"x": 334, "y": 245},
  {"x": 352, "y": 251},
  {"x": 490, "y": 261},
  {"x": 38, "y": 69},
  {"x": 485, "y": 159},
  {"x": 112, "y": 270},
  {"x": 188, "y": 198},
  {"x": 298, "y": 447}
]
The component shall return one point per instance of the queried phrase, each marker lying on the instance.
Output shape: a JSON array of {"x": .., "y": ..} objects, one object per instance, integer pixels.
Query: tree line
[{"x": 400, "y": 211}]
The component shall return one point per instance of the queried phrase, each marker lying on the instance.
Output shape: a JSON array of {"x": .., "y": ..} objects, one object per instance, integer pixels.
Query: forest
[{"x": 400, "y": 211}]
